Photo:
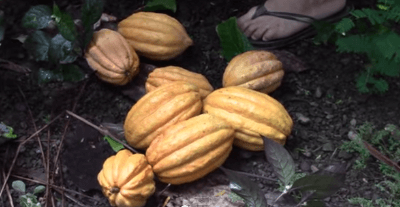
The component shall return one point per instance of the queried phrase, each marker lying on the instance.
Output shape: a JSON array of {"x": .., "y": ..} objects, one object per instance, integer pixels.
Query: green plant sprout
[
  {"x": 369, "y": 32},
  {"x": 28, "y": 199},
  {"x": 7, "y": 131}
]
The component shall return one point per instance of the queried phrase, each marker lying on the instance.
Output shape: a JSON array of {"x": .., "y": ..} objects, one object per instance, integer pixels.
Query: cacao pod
[
  {"x": 155, "y": 36},
  {"x": 251, "y": 113},
  {"x": 127, "y": 179},
  {"x": 258, "y": 70},
  {"x": 159, "y": 109},
  {"x": 169, "y": 74},
  {"x": 113, "y": 59},
  {"x": 190, "y": 149}
]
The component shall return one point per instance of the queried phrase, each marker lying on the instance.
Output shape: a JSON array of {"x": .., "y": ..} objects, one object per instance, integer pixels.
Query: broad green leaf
[
  {"x": 39, "y": 189},
  {"x": 91, "y": 13},
  {"x": 155, "y": 5},
  {"x": 45, "y": 76},
  {"x": 37, "y": 17},
  {"x": 344, "y": 25},
  {"x": 72, "y": 73},
  {"x": 2, "y": 26},
  {"x": 322, "y": 183},
  {"x": 232, "y": 40},
  {"x": 18, "y": 185},
  {"x": 280, "y": 160},
  {"x": 37, "y": 44},
  {"x": 245, "y": 188},
  {"x": 61, "y": 50},
  {"x": 65, "y": 24},
  {"x": 116, "y": 146}
]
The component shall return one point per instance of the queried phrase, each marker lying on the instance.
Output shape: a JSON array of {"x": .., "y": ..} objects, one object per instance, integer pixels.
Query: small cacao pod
[
  {"x": 161, "y": 76},
  {"x": 159, "y": 109},
  {"x": 127, "y": 179},
  {"x": 190, "y": 149},
  {"x": 257, "y": 69},
  {"x": 251, "y": 113},
  {"x": 113, "y": 59},
  {"x": 154, "y": 35}
]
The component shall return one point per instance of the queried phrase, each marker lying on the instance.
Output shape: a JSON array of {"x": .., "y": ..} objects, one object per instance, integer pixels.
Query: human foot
[{"x": 269, "y": 27}]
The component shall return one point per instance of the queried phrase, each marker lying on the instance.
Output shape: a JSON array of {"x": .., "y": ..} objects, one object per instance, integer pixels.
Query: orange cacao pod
[
  {"x": 251, "y": 113},
  {"x": 190, "y": 149},
  {"x": 113, "y": 59},
  {"x": 257, "y": 69},
  {"x": 154, "y": 35}
]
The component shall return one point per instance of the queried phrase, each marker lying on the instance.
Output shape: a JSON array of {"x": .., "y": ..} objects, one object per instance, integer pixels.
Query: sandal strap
[{"x": 261, "y": 10}]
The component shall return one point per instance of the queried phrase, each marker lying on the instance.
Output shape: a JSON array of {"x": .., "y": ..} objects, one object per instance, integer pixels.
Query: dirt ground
[{"x": 322, "y": 101}]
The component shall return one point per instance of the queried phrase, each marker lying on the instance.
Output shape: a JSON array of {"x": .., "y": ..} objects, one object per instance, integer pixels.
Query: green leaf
[
  {"x": 344, "y": 25},
  {"x": 45, "y": 76},
  {"x": 322, "y": 183},
  {"x": 37, "y": 17},
  {"x": 245, "y": 188},
  {"x": 155, "y": 5},
  {"x": 61, "y": 50},
  {"x": 91, "y": 13},
  {"x": 233, "y": 41},
  {"x": 7, "y": 131},
  {"x": 39, "y": 189},
  {"x": 37, "y": 44},
  {"x": 280, "y": 160},
  {"x": 116, "y": 146},
  {"x": 65, "y": 24},
  {"x": 72, "y": 73},
  {"x": 18, "y": 185}
]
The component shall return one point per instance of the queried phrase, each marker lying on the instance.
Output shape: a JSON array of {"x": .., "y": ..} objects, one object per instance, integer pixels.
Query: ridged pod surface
[
  {"x": 159, "y": 109},
  {"x": 164, "y": 75},
  {"x": 154, "y": 35},
  {"x": 113, "y": 59},
  {"x": 251, "y": 113},
  {"x": 257, "y": 69},
  {"x": 127, "y": 179},
  {"x": 190, "y": 149}
]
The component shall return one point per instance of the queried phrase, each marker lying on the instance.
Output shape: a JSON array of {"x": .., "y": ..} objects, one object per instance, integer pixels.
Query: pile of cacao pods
[{"x": 186, "y": 127}]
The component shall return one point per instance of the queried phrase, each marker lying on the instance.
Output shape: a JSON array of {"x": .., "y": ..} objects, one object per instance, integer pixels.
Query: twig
[
  {"x": 8, "y": 191},
  {"x": 19, "y": 148},
  {"x": 102, "y": 131},
  {"x": 73, "y": 199},
  {"x": 34, "y": 126},
  {"x": 48, "y": 194},
  {"x": 66, "y": 126}
]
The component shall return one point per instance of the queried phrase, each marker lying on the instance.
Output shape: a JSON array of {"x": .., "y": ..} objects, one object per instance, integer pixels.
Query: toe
[{"x": 244, "y": 21}]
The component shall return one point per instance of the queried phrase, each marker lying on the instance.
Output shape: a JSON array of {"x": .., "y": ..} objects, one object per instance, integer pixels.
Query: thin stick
[
  {"x": 19, "y": 148},
  {"x": 66, "y": 126},
  {"x": 8, "y": 191},
  {"x": 48, "y": 194},
  {"x": 102, "y": 131},
  {"x": 34, "y": 126}
]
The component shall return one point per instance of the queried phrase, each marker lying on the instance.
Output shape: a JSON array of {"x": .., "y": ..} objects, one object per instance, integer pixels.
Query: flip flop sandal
[{"x": 305, "y": 33}]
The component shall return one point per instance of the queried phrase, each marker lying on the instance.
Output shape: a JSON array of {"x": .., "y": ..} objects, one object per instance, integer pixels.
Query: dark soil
[{"x": 325, "y": 94}]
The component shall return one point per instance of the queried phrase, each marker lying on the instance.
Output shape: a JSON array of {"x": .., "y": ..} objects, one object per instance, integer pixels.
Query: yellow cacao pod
[
  {"x": 113, "y": 59},
  {"x": 190, "y": 149},
  {"x": 154, "y": 35},
  {"x": 257, "y": 69},
  {"x": 159, "y": 109},
  {"x": 161, "y": 76},
  {"x": 127, "y": 179},
  {"x": 251, "y": 113}
]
